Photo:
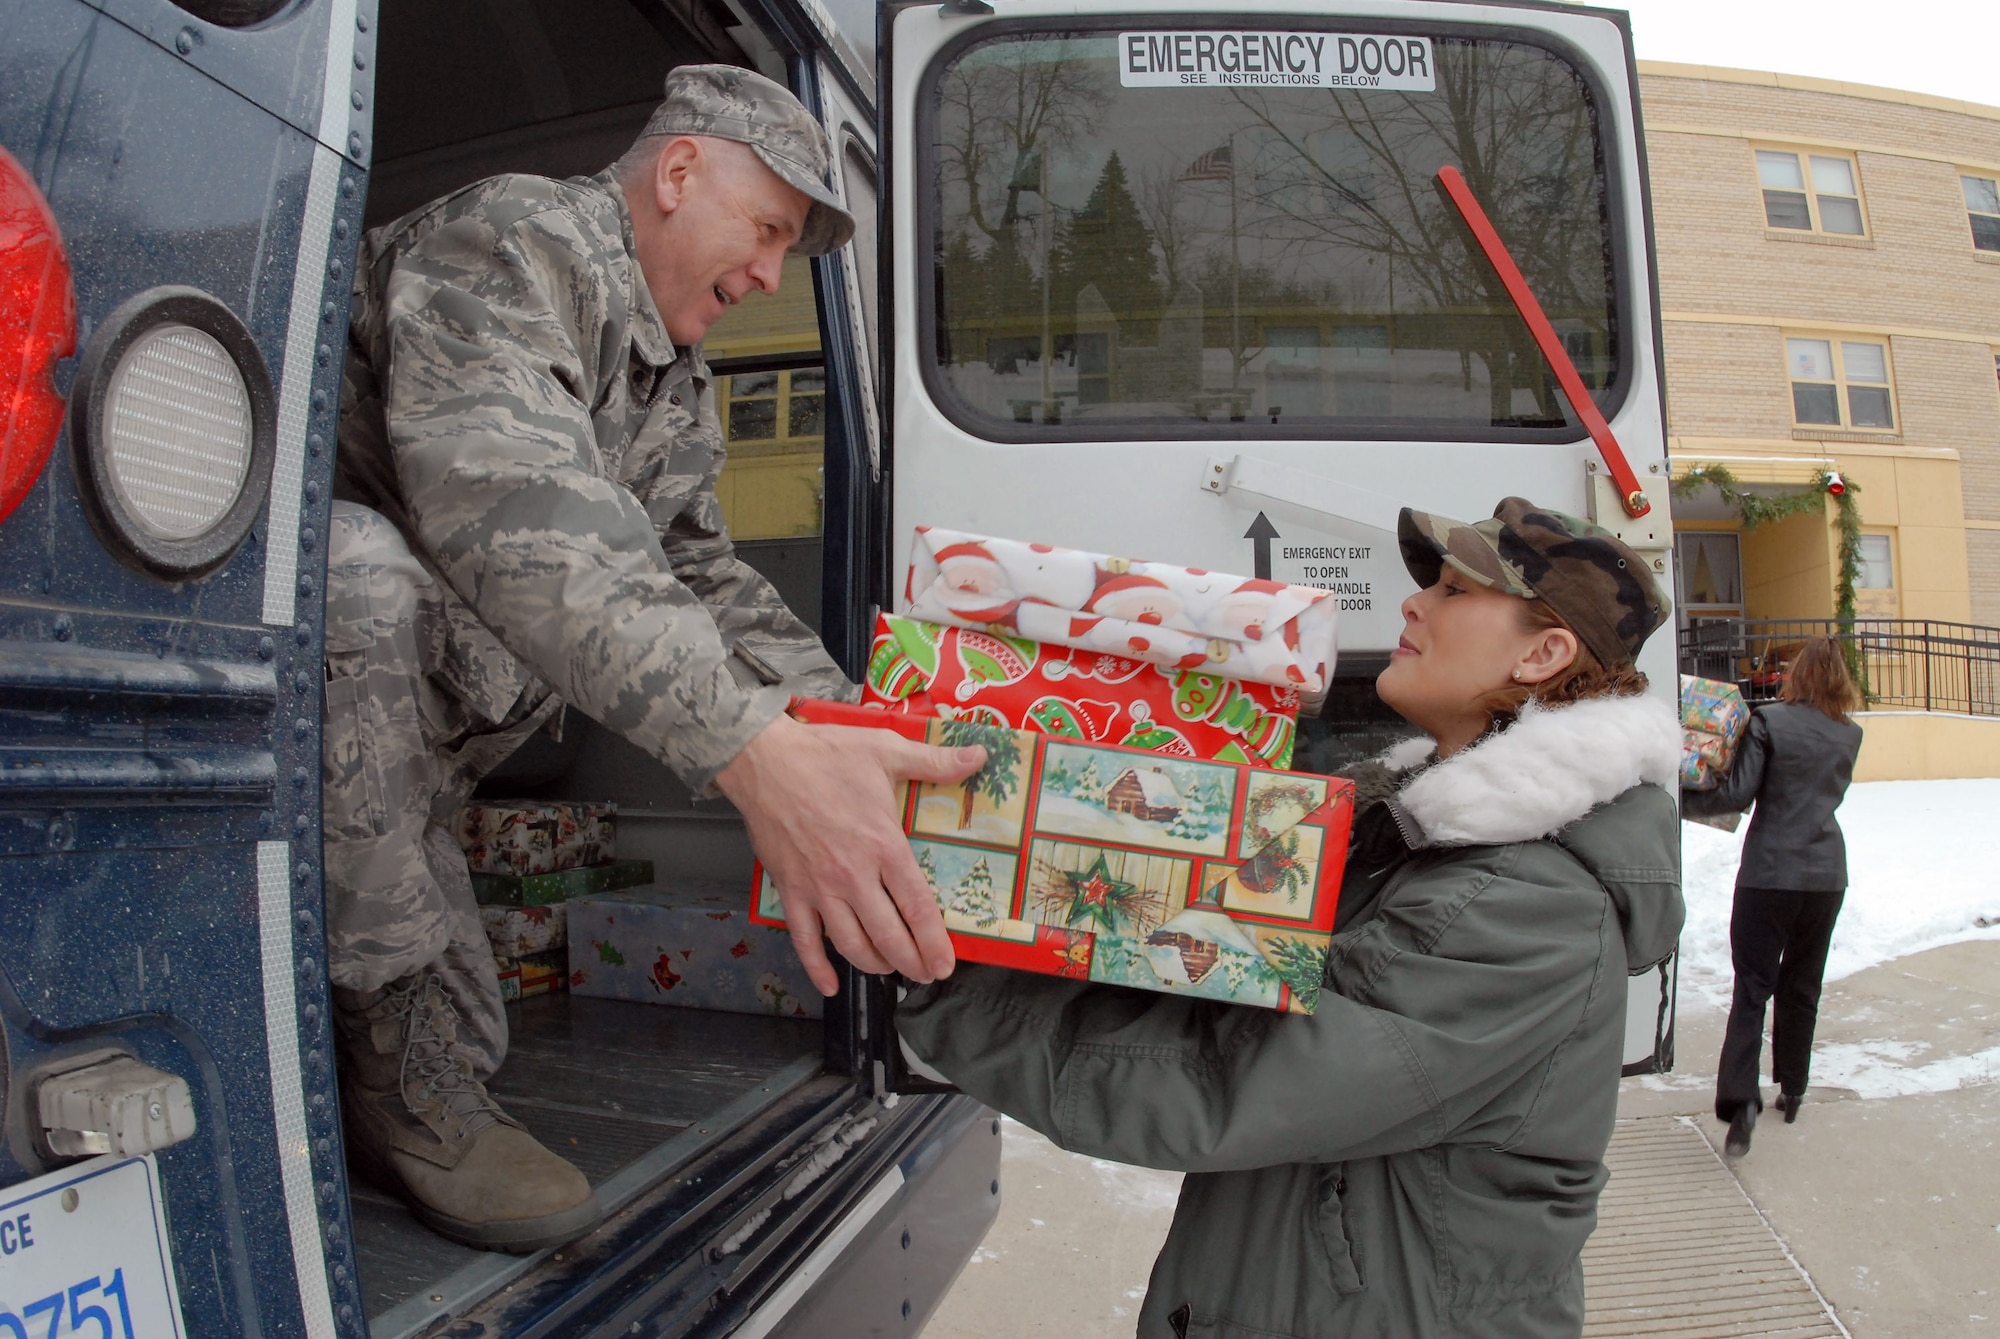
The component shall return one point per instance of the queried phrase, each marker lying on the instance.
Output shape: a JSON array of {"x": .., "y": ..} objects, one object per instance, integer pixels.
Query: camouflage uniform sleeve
[
  {"x": 767, "y": 639},
  {"x": 498, "y": 328}
]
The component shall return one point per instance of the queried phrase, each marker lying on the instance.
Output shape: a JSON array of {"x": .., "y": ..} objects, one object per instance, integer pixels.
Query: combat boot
[{"x": 419, "y": 1124}]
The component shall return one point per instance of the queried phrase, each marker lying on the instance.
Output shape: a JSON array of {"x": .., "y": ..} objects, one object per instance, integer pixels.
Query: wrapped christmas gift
[
  {"x": 1713, "y": 718},
  {"x": 536, "y": 836},
  {"x": 1111, "y": 864},
  {"x": 999, "y": 679},
  {"x": 514, "y": 931},
  {"x": 688, "y": 947},
  {"x": 544, "y": 890},
  {"x": 1181, "y": 618},
  {"x": 533, "y": 974},
  {"x": 1727, "y": 822}
]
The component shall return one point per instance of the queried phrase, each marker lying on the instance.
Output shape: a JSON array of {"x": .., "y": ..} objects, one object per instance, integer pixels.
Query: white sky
[{"x": 1949, "y": 48}]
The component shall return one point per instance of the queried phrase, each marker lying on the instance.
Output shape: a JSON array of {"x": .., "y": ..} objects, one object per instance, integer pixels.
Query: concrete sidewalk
[{"x": 1886, "y": 1192}]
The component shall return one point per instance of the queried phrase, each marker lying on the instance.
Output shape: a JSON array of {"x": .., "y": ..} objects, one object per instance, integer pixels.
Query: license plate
[{"x": 83, "y": 1252}]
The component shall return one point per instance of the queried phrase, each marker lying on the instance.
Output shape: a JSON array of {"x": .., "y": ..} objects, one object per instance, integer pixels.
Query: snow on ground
[
  {"x": 1139, "y": 1187},
  {"x": 1923, "y": 865},
  {"x": 1877, "y": 1069}
]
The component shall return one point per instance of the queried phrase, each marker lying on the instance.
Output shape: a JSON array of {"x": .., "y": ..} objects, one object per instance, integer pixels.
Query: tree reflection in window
[{"x": 1109, "y": 254}]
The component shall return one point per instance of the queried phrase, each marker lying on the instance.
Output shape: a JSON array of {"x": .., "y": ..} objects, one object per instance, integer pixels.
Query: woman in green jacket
[{"x": 1423, "y": 1154}]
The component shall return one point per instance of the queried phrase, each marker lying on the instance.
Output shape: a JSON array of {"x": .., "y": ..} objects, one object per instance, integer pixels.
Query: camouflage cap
[
  {"x": 1598, "y": 585},
  {"x": 732, "y": 103}
]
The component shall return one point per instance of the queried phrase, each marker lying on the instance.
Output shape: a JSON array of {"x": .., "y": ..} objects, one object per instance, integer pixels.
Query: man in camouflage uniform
[{"x": 527, "y": 517}]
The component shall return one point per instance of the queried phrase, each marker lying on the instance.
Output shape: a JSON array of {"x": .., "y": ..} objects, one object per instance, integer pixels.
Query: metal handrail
[{"x": 1924, "y": 664}]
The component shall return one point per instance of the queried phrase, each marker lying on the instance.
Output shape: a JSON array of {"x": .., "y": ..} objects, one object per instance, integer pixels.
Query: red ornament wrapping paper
[
  {"x": 995, "y": 679},
  {"x": 1115, "y": 865}
]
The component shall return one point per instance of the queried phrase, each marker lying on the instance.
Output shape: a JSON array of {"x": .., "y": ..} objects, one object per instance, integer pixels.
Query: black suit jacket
[{"x": 1795, "y": 763}]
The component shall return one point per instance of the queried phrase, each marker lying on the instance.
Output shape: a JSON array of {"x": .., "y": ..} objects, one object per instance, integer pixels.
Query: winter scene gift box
[
  {"x": 534, "y": 836},
  {"x": 1000, "y": 679},
  {"x": 688, "y": 947},
  {"x": 1116, "y": 865},
  {"x": 1181, "y": 618},
  {"x": 1713, "y": 718}
]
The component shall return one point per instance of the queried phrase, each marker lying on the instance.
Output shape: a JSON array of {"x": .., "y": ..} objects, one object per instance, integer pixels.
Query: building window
[
  {"x": 775, "y": 406},
  {"x": 1982, "y": 207},
  {"x": 1710, "y": 573},
  {"x": 1878, "y": 571},
  {"x": 1840, "y": 383},
  {"x": 1810, "y": 192}
]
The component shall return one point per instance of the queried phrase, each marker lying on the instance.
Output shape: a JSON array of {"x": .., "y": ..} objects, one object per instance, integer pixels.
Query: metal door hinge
[{"x": 1650, "y": 535}]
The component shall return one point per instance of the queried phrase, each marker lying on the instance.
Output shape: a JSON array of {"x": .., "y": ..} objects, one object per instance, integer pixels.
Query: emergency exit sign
[{"x": 1217, "y": 58}]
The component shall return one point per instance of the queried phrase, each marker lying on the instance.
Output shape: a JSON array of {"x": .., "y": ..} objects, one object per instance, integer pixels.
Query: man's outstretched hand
[{"x": 820, "y": 802}]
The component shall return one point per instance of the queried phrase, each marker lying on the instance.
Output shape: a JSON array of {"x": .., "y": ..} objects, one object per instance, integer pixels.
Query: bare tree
[
  {"x": 1160, "y": 195},
  {"x": 998, "y": 116},
  {"x": 1361, "y": 174}
]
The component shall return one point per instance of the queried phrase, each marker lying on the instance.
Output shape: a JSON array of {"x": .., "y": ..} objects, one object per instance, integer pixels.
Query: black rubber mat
[{"x": 601, "y": 1082}]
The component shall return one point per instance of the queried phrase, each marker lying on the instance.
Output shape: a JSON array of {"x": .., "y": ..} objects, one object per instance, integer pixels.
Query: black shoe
[
  {"x": 1740, "y": 1126},
  {"x": 1789, "y": 1103}
]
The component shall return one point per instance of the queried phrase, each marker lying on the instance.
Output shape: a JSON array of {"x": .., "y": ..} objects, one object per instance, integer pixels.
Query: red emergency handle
[{"x": 1545, "y": 337}]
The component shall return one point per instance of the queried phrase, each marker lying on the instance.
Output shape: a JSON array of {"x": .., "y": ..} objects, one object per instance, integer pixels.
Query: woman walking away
[
  {"x": 1422, "y": 1155},
  {"x": 1795, "y": 762}
]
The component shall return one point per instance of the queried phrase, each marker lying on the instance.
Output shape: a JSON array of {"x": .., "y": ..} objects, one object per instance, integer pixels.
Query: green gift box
[{"x": 540, "y": 890}]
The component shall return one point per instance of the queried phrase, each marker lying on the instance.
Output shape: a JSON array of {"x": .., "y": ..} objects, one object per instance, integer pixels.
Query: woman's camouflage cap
[
  {"x": 1598, "y": 585},
  {"x": 731, "y": 103}
]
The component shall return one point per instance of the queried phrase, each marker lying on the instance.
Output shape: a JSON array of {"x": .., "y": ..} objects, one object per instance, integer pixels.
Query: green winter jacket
[{"x": 1422, "y": 1156}]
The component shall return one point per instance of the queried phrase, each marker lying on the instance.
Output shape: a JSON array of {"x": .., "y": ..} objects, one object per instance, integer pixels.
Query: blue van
[{"x": 182, "y": 190}]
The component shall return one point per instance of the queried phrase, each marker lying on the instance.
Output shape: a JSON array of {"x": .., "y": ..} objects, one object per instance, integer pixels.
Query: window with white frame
[
  {"x": 1840, "y": 383},
  {"x": 1878, "y": 569},
  {"x": 1982, "y": 208},
  {"x": 1810, "y": 192}
]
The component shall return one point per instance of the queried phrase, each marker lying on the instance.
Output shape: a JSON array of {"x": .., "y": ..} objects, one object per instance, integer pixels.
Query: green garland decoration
[{"x": 1759, "y": 509}]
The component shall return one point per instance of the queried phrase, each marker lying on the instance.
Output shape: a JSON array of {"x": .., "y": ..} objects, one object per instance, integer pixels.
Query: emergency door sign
[{"x": 1262, "y": 59}]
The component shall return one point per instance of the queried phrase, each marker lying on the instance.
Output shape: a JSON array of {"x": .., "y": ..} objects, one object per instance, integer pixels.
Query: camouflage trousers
[{"x": 411, "y": 678}]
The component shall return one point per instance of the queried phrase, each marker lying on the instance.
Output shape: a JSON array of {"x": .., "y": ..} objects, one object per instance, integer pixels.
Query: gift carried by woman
[{"x": 1713, "y": 718}]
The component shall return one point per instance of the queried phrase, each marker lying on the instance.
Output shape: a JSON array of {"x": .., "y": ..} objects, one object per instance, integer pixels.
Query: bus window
[{"x": 1111, "y": 258}]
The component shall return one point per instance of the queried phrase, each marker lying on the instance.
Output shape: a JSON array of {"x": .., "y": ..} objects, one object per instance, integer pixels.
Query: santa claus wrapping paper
[
  {"x": 1179, "y": 618},
  {"x": 1108, "y": 650}
]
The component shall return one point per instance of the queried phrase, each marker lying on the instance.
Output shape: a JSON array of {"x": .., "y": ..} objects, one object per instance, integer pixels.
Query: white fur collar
[{"x": 1550, "y": 768}]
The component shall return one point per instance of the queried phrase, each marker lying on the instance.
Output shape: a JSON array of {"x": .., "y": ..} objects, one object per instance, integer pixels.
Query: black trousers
[{"x": 1777, "y": 942}]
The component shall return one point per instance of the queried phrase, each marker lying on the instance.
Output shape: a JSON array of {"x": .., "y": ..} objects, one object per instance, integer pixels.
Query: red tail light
[{"x": 37, "y": 327}]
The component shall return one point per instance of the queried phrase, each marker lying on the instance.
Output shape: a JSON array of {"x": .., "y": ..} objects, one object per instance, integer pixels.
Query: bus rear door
[{"x": 1186, "y": 287}]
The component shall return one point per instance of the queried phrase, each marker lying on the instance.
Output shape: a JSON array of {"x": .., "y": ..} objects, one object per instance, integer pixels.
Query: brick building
[{"x": 1829, "y": 261}]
